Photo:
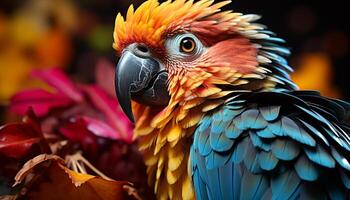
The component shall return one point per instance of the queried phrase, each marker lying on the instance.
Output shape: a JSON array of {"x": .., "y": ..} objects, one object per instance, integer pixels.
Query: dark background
[{"x": 311, "y": 28}]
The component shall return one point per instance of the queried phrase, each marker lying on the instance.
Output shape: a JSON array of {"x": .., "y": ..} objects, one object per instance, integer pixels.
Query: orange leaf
[
  {"x": 58, "y": 182},
  {"x": 30, "y": 164}
]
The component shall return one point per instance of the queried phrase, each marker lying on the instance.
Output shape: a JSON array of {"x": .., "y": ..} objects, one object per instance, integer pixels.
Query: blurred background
[{"x": 77, "y": 36}]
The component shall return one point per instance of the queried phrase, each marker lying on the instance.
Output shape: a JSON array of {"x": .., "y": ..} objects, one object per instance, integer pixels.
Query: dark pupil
[{"x": 187, "y": 44}]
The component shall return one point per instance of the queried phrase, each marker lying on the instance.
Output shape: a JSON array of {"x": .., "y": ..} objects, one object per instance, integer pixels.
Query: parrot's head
[{"x": 180, "y": 51}]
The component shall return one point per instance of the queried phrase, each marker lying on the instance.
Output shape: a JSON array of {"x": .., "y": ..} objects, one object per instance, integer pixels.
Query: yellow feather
[
  {"x": 208, "y": 91},
  {"x": 192, "y": 103},
  {"x": 173, "y": 176},
  {"x": 211, "y": 105},
  {"x": 187, "y": 190},
  {"x": 174, "y": 133},
  {"x": 175, "y": 157}
]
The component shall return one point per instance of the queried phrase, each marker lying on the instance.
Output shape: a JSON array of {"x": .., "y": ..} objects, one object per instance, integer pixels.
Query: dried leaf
[
  {"x": 29, "y": 165},
  {"x": 57, "y": 182}
]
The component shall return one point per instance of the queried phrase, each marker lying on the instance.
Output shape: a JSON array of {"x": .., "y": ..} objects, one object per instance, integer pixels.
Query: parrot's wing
[{"x": 273, "y": 145}]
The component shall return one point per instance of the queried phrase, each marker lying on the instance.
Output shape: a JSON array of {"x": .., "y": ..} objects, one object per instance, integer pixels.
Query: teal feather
[
  {"x": 285, "y": 149},
  {"x": 258, "y": 142},
  {"x": 215, "y": 160},
  {"x": 270, "y": 113},
  {"x": 265, "y": 133},
  {"x": 218, "y": 123},
  {"x": 204, "y": 124},
  {"x": 340, "y": 159},
  {"x": 267, "y": 160},
  {"x": 276, "y": 128},
  {"x": 229, "y": 114},
  {"x": 284, "y": 185},
  {"x": 219, "y": 142},
  {"x": 306, "y": 169},
  {"x": 240, "y": 150},
  {"x": 214, "y": 184},
  {"x": 226, "y": 181},
  {"x": 277, "y": 137},
  {"x": 251, "y": 160},
  {"x": 315, "y": 131},
  {"x": 232, "y": 131},
  {"x": 320, "y": 156},
  {"x": 251, "y": 119},
  {"x": 291, "y": 129},
  {"x": 204, "y": 147},
  {"x": 253, "y": 186}
]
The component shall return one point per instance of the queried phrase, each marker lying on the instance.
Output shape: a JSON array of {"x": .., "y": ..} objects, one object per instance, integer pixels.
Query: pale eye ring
[{"x": 187, "y": 45}]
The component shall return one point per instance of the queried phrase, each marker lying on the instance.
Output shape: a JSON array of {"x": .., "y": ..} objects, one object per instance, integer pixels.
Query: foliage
[{"x": 69, "y": 132}]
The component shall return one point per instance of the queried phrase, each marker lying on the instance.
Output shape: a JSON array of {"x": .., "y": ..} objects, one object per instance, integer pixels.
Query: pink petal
[
  {"x": 40, "y": 100},
  {"x": 76, "y": 131},
  {"x": 57, "y": 79},
  {"x": 100, "y": 128},
  {"x": 110, "y": 108},
  {"x": 105, "y": 76}
]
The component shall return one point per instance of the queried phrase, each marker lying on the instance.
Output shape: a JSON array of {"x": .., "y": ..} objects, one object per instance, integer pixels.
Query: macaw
[{"x": 216, "y": 113}]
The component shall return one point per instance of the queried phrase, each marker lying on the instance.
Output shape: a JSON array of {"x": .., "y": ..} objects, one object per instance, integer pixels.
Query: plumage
[{"x": 235, "y": 125}]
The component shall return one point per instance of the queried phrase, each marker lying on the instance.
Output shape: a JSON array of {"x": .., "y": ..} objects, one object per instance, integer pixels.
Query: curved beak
[{"x": 141, "y": 78}]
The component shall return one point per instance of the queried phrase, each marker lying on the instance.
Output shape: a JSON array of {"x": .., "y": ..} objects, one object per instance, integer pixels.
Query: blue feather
[
  {"x": 219, "y": 142},
  {"x": 202, "y": 170},
  {"x": 239, "y": 123},
  {"x": 204, "y": 147},
  {"x": 270, "y": 113},
  {"x": 284, "y": 185},
  {"x": 337, "y": 139},
  {"x": 251, "y": 119},
  {"x": 240, "y": 150},
  {"x": 204, "y": 124},
  {"x": 285, "y": 149},
  {"x": 320, "y": 156},
  {"x": 291, "y": 129},
  {"x": 214, "y": 184},
  {"x": 251, "y": 160},
  {"x": 265, "y": 133},
  {"x": 340, "y": 159},
  {"x": 267, "y": 161},
  {"x": 253, "y": 186},
  {"x": 232, "y": 131},
  {"x": 226, "y": 181},
  {"x": 200, "y": 187},
  {"x": 215, "y": 160},
  {"x": 218, "y": 124},
  {"x": 276, "y": 128},
  {"x": 306, "y": 169},
  {"x": 230, "y": 114},
  {"x": 258, "y": 142},
  {"x": 315, "y": 131}
]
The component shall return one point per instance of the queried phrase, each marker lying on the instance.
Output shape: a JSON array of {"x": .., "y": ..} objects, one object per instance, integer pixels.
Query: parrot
[{"x": 216, "y": 113}]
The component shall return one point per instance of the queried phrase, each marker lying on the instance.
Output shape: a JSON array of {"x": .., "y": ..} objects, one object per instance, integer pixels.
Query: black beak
[{"x": 141, "y": 78}]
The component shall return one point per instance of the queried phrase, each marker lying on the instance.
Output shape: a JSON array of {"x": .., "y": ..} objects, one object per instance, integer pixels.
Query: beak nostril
[{"x": 142, "y": 48}]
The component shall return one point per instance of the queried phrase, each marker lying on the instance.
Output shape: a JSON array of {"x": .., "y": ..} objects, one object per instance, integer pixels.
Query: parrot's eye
[{"x": 187, "y": 45}]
